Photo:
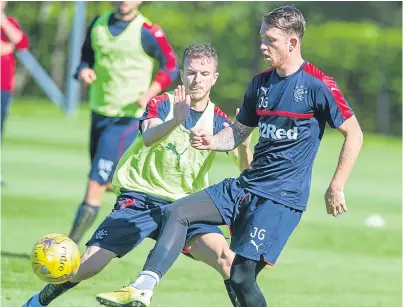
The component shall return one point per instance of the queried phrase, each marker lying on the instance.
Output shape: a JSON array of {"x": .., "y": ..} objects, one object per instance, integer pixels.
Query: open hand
[{"x": 181, "y": 104}]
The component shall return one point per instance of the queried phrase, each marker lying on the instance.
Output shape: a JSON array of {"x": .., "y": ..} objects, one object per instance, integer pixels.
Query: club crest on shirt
[{"x": 299, "y": 93}]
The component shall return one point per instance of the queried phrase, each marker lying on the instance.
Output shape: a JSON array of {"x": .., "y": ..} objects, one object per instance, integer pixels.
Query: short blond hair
[{"x": 199, "y": 51}]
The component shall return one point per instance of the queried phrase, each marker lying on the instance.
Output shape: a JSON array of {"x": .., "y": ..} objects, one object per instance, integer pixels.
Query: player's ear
[
  {"x": 293, "y": 43},
  {"x": 181, "y": 74}
]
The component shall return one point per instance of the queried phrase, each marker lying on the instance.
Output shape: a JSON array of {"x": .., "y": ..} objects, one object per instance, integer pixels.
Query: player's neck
[
  {"x": 290, "y": 67},
  {"x": 126, "y": 17},
  {"x": 200, "y": 105}
]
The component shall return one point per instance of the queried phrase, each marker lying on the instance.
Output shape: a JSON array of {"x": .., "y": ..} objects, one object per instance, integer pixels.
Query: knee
[
  {"x": 176, "y": 213},
  {"x": 95, "y": 192},
  {"x": 240, "y": 278},
  {"x": 109, "y": 187},
  {"x": 224, "y": 262}
]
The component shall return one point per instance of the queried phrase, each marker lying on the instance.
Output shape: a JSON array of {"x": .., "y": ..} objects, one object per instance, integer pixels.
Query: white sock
[{"x": 147, "y": 280}]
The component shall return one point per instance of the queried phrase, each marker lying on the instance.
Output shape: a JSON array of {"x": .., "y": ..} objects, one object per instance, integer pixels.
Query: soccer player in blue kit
[{"x": 290, "y": 103}]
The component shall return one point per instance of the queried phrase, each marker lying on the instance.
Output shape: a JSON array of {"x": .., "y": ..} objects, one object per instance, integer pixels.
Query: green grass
[{"x": 327, "y": 262}]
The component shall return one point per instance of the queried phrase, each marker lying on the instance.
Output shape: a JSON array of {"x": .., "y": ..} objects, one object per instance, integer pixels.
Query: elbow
[
  {"x": 23, "y": 43},
  {"x": 356, "y": 138},
  {"x": 164, "y": 79},
  {"x": 147, "y": 141},
  {"x": 360, "y": 137}
]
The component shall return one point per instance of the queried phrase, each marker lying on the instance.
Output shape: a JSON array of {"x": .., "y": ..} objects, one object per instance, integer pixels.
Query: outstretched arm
[
  {"x": 242, "y": 155},
  {"x": 226, "y": 140},
  {"x": 233, "y": 136}
]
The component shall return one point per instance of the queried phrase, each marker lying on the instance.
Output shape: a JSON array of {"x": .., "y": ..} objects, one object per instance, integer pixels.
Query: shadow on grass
[{"x": 14, "y": 255}]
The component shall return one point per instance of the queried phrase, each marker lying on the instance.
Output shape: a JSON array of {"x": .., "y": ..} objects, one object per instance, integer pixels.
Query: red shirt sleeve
[
  {"x": 156, "y": 45},
  {"x": 24, "y": 42}
]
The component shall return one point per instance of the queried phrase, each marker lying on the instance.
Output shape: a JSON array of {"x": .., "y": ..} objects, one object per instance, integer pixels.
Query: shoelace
[{"x": 122, "y": 289}]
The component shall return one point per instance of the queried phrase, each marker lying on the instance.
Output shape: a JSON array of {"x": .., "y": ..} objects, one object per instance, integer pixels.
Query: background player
[
  {"x": 117, "y": 63},
  {"x": 12, "y": 39},
  {"x": 161, "y": 166},
  {"x": 290, "y": 103}
]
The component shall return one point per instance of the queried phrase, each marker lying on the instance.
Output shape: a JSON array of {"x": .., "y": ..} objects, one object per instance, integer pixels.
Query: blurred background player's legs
[
  {"x": 88, "y": 210},
  {"x": 5, "y": 105},
  {"x": 110, "y": 137}
]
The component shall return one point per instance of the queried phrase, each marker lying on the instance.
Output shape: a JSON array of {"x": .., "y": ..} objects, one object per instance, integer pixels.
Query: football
[{"x": 55, "y": 258}]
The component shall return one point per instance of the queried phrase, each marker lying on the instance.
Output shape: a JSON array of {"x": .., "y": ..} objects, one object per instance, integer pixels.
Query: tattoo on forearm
[{"x": 232, "y": 137}]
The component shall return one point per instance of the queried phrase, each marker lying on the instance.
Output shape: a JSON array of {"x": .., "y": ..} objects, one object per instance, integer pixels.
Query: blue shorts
[
  {"x": 5, "y": 105},
  {"x": 110, "y": 138},
  {"x": 135, "y": 218},
  {"x": 259, "y": 226}
]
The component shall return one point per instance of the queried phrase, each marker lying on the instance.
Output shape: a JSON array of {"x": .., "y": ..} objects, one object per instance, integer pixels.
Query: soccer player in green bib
[
  {"x": 160, "y": 167},
  {"x": 117, "y": 61}
]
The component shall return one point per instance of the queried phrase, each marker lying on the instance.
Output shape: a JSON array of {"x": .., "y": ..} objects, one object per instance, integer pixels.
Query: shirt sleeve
[
  {"x": 247, "y": 114},
  {"x": 24, "y": 42},
  {"x": 156, "y": 45},
  {"x": 87, "y": 53},
  {"x": 157, "y": 107},
  {"x": 220, "y": 119},
  {"x": 331, "y": 104}
]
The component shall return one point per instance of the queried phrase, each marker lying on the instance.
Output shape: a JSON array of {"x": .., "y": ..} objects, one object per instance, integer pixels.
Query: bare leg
[
  {"x": 213, "y": 250},
  {"x": 93, "y": 261}
]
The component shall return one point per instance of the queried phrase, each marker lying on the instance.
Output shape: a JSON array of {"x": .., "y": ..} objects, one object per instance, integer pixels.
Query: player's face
[
  {"x": 127, "y": 7},
  {"x": 274, "y": 45},
  {"x": 198, "y": 76}
]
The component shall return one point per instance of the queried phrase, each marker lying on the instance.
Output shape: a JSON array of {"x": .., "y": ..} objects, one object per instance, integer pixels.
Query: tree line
[{"x": 358, "y": 43}]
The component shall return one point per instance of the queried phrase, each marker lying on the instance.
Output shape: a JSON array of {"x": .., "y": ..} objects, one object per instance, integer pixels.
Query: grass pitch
[{"x": 328, "y": 262}]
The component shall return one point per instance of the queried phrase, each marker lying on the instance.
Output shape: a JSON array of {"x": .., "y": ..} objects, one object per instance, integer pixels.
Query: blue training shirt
[{"x": 291, "y": 113}]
